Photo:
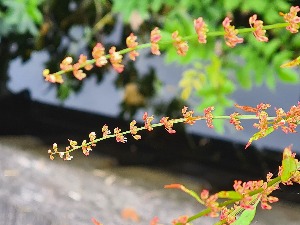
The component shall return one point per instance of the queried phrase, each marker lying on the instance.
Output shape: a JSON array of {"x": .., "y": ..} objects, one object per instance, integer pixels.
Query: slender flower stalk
[{"x": 287, "y": 121}]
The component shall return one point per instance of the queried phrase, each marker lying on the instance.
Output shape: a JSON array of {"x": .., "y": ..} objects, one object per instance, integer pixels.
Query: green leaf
[
  {"x": 259, "y": 71},
  {"x": 125, "y": 8},
  {"x": 230, "y": 195},
  {"x": 156, "y": 5},
  {"x": 63, "y": 91},
  {"x": 289, "y": 165},
  {"x": 270, "y": 78},
  {"x": 247, "y": 216},
  {"x": 281, "y": 57},
  {"x": 231, "y": 5},
  {"x": 228, "y": 87},
  {"x": 259, "y": 135},
  {"x": 281, "y": 5},
  {"x": 271, "y": 16},
  {"x": 243, "y": 76},
  {"x": 288, "y": 75},
  {"x": 258, "y": 6},
  {"x": 270, "y": 48},
  {"x": 35, "y": 14},
  {"x": 208, "y": 101}
]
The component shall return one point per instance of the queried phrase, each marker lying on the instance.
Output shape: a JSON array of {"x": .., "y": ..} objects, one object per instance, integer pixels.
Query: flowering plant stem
[
  {"x": 167, "y": 42},
  {"x": 246, "y": 195},
  {"x": 206, "y": 211},
  {"x": 174, "y": 121}
]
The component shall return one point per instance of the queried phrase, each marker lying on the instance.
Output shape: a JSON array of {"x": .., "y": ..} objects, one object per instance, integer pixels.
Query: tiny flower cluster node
[
  {"x": 168, "y": 125},
  {"x": 209, "y": 116},
  {"x": 227, "y": 215},
  {"x": 98, "y": 54},
  {"x": 201, "y": 30},
  {"x": 155, "y": 37},
  {"x": 210, "y": 201},
  {"x": 235, "y": 121},
  {"x": 180, "y": 45},
  {"x": 77, "y": 72},
  {"x": 188, "y": 116},
  {"x": 116, "y": 59},
  {"x": 134, "y": 130},
  {"x": 231, "y": 38},
  {"x": 119, "y": 136},
  {"x": 245, "y": 188},
  {"x": 292, "y": 19},
  {"x": 66, "y": 64},
  {"x": 132, "y": 44},
  {"x": 105, "y": 131},
  {"x": 148, "y": 119},
  {"x": 259, "y": 32},
  {"x": 86, "y": 148},
  {"x": 52, "y": 78},
  {"x": 288, "y": 121}
]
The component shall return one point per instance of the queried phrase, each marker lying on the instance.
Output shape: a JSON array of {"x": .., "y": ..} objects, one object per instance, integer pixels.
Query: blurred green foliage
[
  {"x": 20, "y": 16},
  {"x": 218, "y": 68},
  {"x": 72, "y": 27},
  {"x": 20, "y": 21}
]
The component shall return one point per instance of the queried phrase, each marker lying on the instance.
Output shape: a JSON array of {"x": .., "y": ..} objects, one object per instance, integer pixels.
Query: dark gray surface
[{"x": 37, "y": 191}]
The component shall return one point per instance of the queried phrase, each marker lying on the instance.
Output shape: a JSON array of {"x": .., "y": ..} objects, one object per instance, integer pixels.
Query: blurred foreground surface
[{"x": 35, "y": 190}]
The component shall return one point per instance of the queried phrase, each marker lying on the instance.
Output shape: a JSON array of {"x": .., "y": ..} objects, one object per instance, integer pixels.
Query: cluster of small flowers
[
  {"x": 288, "y": 121},
  {"x": 244, "y": 188},
  {"x": 100, "y": 59},
  {"x": 181, "y": 46},
  {"x": 291, "y": 118},
  {"x": 210, "y": 201},
  {"x": 292, "y": 19},
  {"x": 235, "y": 121},
  {"x": 115, "y": 57},
  {"x": 73, "y": 145}
]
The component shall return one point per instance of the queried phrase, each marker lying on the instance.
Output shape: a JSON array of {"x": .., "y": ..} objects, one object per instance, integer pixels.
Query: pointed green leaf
[
  {"x": 247, "y": 216},
  {"x": 259, "y": 135},
  {"x": 289, "y": 165},
  {"x": 288, "y": 75}
]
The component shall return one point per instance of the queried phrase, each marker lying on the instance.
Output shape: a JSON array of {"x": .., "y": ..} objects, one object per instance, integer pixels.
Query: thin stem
[
  {"x": 185, "y": 38},
  {"x": 178, "y": 120}
]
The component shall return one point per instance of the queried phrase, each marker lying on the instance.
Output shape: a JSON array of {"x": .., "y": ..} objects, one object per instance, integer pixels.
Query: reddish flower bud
[
  {"x": 180, "y": 45},
  {"x": 259, "y": 33},
  {"x": 116, "y": 59},
  {"x": 292, "y": 19},
  {"x": 131, "y": 43},
  {"x": 155, "y": 37},
  {"x": 231, "y": 38},
  {"x": 201, "y": 29}
]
